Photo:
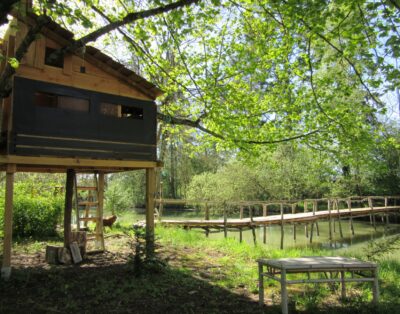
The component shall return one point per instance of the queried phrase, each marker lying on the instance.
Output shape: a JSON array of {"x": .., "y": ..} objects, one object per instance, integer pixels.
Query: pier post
[
  {"x": 294, "y": 224},
  {"x": 207, "y": 217},
  {"x": 265, "y": 227},
  {"x": 351, "y": 217},
  {"x": 282, "y": 229},
  {"x": 306, "y": 224},
  {"x": 225, "y": 222},
  {"x": 372, "y": 209},
  {"x": 253, "y": 230},
  {"x": 330, "y": 220},
  {"x": 339, "y": 222}
]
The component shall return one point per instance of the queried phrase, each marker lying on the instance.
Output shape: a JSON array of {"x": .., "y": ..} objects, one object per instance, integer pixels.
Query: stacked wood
[{"x": 62, "y": 255}]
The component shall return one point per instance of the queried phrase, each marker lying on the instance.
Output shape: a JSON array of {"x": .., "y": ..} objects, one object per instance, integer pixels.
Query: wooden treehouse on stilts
[{"x": 80, "y": 113}]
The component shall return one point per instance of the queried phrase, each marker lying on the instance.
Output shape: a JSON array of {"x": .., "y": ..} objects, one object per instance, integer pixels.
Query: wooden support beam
[
  {"x": 150, "y": 195},
  {"x": 69, "y": 192},
  {"x": 8, "y": 222},
  {"x": 99, "y": 225}
]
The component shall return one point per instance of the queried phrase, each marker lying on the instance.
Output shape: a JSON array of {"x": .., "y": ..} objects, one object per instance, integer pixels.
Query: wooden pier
[{"x": 308, "y": 212}]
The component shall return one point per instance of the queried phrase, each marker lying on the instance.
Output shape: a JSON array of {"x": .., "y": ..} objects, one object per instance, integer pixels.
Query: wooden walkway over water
[{"x": 308, "y": 212}]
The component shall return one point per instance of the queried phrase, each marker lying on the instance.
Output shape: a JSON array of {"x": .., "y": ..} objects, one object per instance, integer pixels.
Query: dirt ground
[{"x": 107, "y": 283}]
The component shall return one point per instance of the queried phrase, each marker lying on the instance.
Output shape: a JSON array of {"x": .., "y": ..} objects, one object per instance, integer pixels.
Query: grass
[
  {"x": 237, "y": 270},
  {"x": 196, "y": 275}
]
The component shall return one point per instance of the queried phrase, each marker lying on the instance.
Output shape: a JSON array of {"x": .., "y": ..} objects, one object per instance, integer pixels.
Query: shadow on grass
[{"x": 115, "y": 289}]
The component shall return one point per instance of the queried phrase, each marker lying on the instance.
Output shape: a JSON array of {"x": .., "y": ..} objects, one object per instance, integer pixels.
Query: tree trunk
[{"x": 69, "y": 189}]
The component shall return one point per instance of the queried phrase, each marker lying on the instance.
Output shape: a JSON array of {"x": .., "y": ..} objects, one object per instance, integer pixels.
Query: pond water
[{"x": 364, "y": 231}]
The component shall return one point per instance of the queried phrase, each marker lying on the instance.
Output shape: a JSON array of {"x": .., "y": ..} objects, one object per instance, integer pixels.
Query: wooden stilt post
[
  {"x": 253, "y": 229},
  {"x": 207, "y": 217},
  {"x": 282, "y": 229},
  {"x": 294, "y": 224},
  {"x": 265, "y": 227},
  {"x": 240, "y": 235},
  {"x": 312, "y": 232},
  {"x": 150, "y": 194},
  {"x": 339, "y": 222},
  {"x": 69, "y": 192},
  {"x": 351, "y": 217},
  {"x": 386, "y": 213},
  {"x": 8, "y": 221},
  {"x": 372, "y": 209},
  {"x": 225, "y": 221},
  {"x": 315, "y": 209},
  {"x": 99, "y": 226},
  {"x": 330, "y": 220},
  {"x": 306, "y": 224}
]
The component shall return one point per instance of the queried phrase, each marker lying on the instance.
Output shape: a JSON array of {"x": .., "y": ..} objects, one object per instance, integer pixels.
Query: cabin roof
[{"x": 64, "y": 37}]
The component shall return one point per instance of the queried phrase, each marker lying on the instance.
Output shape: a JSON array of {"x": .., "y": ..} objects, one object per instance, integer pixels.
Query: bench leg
[
  {"x": 375, "y": 288},
  {"x": 284, "y": 296},
  {"x": 343, "y": 285},
  {"x": 260, "y": 285}
]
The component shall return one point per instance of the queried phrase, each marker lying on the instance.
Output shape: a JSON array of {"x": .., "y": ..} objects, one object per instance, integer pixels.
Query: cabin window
[
  {"x": 121, "y": 111},
  {"x": 58, "y": 62},
  {"x": 50, "y": 100}
]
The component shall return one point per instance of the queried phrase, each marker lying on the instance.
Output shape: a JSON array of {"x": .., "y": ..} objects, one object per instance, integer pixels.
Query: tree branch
[
  {"x": 196, "y": 124},
  {"x": 129, "y": 18},
  {"x": 6, "y": 77}
]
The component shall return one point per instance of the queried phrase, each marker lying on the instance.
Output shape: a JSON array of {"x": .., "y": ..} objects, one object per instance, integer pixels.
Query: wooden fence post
[{"x": 8, "y": 222}]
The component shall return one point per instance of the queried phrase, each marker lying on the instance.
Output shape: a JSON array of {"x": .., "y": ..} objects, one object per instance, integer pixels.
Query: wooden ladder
[{"x": 90, "y": 209}]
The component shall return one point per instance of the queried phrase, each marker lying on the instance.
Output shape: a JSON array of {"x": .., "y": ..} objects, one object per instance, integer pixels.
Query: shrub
[
  {"x": 36, "y": 217},
  {"x": 34, "y": 214}
]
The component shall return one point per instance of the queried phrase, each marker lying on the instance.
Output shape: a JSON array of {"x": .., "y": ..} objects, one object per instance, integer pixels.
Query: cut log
[
  {"x": 80, "y": 238},
  {"x": 64, "y": 256},
  {"x": 75, "y": 252},
  {"x": 52, "y": 254}
]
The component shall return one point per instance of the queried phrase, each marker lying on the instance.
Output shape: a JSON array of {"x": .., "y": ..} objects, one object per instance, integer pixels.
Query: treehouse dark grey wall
[{"x": 40, "y": 130}]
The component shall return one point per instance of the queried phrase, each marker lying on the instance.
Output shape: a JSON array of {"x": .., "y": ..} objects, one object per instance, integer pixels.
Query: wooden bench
[{"x": 331, "y": 267}]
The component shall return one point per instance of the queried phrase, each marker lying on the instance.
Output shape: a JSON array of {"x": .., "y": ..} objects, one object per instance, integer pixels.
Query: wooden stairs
[{"x": 89, "y": 208}]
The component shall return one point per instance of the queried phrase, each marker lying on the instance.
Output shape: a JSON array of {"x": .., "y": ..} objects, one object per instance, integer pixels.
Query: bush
[
  {"x": 36, "y": 217},
  {"x": 34, "y": 214}
]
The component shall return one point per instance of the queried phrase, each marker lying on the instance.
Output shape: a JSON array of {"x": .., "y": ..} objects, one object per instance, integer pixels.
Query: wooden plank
[
  {"x": 75, "y": 253},
  {"x": 76, "y": 162},
  {"x": 40, "y": 49},
  {"x": 8, "y": 221},
  {"x": 150, "y": 204}
]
